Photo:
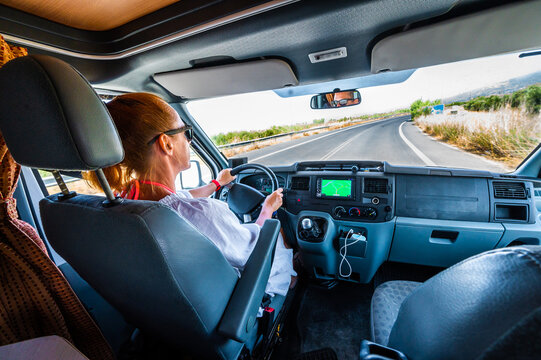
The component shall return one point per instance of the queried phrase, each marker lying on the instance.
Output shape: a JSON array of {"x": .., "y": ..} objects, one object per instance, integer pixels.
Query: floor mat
[
  {"x": 338, "y": 318},
  {"x": 323, "y": 354}
]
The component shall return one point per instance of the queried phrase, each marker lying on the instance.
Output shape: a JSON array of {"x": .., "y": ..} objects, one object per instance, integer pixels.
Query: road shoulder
[{"x": 448, "y": 155}]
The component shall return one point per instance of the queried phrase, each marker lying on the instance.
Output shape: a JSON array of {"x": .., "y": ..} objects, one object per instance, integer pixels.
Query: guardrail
[
  {"x": 50, "y": 181},
  {"x": 248, "y": 142}
]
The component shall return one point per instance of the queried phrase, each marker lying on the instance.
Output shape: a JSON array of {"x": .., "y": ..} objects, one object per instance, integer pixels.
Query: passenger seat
[
  {"x": 465, "y": 311},
  {"x": 386, "y": 301}
]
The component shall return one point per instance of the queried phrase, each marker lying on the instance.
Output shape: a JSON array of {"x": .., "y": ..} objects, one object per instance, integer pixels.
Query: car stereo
[{"x": 335, "y": 188}]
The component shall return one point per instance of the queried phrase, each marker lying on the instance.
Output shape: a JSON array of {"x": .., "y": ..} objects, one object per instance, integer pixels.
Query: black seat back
[
  {"x": 148, "y": 262},
  {"x": 460, "y": 312}
]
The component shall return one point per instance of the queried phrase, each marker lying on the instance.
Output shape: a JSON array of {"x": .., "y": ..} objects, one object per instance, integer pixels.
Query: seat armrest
[
  {"x": 50, "y": 347},
  {"x": 241, "y": 312}
]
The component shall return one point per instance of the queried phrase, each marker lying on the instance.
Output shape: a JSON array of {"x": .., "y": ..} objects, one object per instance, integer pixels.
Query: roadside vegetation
[
  {"x": 422, "y": 107},
  {"x": 240, "y": 136},
  {"x": 529, "y": 99},
  {"x": 505, "y": 128}
]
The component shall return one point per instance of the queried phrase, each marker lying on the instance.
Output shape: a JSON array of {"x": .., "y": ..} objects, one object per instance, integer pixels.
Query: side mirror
[
  {"x": 191, "y": 178},
  {"x": 234, "y": 162},
  {"x": 335, "y": 99}
]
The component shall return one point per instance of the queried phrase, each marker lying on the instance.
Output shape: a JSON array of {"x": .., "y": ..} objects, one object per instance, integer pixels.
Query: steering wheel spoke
[{"x": 252, "y": 216}]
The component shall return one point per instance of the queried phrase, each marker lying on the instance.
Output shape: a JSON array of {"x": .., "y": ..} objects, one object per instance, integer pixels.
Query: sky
[{"x": 264, "y": 109}]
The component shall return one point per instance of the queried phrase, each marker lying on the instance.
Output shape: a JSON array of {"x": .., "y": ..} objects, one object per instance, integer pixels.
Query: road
[{"x": 394, "y": 140}]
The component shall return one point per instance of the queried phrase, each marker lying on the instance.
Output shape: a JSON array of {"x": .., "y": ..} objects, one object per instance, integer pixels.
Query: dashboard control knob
[
  {"x": 306, "y": 224},
  {"x": 339, "y": 211},
  {"x": 375, "y": 200},
  {"x": 371, "y": 213},
  {"x": 354, "y": 212}
]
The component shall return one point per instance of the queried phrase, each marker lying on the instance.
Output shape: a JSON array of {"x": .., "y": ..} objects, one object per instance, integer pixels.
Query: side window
[
  {"x": 198, "y": 174},
  {"x": 80, "y": 186}
]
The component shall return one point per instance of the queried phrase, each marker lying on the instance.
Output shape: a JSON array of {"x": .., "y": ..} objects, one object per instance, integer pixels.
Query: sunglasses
[
  {"x": 339, "y": 102},
  {"x": 187, "y": 130}
]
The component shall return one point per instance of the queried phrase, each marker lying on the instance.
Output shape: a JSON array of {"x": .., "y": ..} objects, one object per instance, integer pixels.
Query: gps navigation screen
[{"x": 336, "y": 188}]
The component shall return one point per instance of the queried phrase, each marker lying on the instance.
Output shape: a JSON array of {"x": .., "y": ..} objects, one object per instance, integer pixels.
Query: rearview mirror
[{"x": 336, "y": 99}]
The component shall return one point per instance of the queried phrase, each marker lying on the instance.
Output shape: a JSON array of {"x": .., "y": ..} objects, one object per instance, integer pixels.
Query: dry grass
[{"x": 506, "y": 136}]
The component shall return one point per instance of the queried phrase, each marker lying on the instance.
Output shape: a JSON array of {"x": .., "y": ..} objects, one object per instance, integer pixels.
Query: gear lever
[
  {"x": 310, "y": 228},
  {"x": 307, "y": 224}
]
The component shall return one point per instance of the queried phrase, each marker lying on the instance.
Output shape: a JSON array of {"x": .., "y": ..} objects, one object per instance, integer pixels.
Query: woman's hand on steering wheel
[
  {"x": 273, "y": 202},
  {"x": 224, "y": 177}
]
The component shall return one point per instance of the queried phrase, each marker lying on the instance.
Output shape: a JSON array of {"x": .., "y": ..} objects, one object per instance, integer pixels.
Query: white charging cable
[{"x": 344, "y": 251}]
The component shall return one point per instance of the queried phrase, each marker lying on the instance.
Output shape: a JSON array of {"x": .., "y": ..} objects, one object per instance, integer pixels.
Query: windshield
[{"x": 480, "y": 114}]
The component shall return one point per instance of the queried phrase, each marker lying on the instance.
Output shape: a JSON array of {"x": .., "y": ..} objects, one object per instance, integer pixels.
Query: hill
[{"x": 505, "y": 87}]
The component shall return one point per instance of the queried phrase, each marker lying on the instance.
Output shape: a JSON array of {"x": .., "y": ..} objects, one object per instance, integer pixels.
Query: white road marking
[
  {"x": 334, "y": 151},
  {"x": 417, "y": 152},
  {"x": 321, "y": 137}
]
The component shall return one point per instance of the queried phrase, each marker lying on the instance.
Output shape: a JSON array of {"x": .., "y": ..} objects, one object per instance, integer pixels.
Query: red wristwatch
[{"x": 218, "y": 186}]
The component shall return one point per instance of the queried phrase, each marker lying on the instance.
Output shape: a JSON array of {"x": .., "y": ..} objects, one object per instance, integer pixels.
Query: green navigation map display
[{"x": 338, "y": 188}]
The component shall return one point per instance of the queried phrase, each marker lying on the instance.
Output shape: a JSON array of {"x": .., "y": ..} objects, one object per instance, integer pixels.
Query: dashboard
[
  {"x": 262, "y": 182},
  {"x": 419, "y": 215}
]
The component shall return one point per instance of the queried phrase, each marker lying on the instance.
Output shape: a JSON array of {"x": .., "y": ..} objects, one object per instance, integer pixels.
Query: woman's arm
[
  {"x": 203, "y": 191},
  {"x": 271, "y": 204},
  {"x": 224, "y": 178}
]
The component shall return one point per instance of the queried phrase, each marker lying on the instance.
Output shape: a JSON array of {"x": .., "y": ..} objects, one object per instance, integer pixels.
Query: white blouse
[{"x": 236, "y": 241}]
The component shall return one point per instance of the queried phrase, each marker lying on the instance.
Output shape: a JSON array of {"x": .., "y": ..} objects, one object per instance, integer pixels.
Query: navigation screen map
[{"x": 337, "y": 188}]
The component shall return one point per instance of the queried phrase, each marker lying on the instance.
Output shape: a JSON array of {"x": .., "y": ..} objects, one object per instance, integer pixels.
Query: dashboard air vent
[
  {"x": 364, "y": 166},
  {"x": 509, "y": 190},
  {"x": 300, "y": 183},
  {"x": 375, "y": 186}
]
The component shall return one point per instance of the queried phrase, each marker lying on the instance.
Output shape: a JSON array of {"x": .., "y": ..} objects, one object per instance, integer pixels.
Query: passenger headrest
[{"x": 51, "y": 118}]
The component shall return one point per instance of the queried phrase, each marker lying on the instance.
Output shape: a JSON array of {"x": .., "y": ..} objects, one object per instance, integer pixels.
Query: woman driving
[{"x": 157, "y": 148}]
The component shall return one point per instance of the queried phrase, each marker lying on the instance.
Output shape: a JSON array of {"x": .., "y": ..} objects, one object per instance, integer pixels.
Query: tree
[{"x": 533, "y": 99}]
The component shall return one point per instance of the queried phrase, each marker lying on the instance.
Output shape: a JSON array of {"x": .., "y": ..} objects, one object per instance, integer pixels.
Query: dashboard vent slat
[
  {"x": 300, "y": 183},
  {"x": 371, "y": 166},
  {"x": 375, "y": 186},
  {"x": 509, "y": 190}
]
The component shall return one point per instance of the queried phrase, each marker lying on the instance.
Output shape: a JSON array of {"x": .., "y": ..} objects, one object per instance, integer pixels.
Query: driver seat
[{"x": 160, "y": 272}]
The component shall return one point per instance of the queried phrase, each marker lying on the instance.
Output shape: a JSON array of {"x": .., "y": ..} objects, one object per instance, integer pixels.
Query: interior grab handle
[{"x": 443, "y": 237}]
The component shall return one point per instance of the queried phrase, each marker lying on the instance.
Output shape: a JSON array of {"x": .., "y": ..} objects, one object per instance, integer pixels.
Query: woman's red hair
[{"x": 138, "y": 118}]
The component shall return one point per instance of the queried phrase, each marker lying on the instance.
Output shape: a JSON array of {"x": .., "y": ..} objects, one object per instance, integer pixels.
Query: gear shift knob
[{"x": 306, "y": 224}]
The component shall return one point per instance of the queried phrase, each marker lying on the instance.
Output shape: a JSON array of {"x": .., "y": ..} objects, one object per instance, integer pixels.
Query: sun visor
[
  {"x": 354, "y": 83},
  {"x": 228, "y": 79},
  {"x": 500, "y": 30}
]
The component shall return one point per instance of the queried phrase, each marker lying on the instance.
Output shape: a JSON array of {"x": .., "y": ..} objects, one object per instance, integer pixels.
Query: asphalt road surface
[{"x": 394, "y": 140}]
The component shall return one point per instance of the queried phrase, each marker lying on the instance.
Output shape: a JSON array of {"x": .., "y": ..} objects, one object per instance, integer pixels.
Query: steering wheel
[{"x": 244, "y": 200}]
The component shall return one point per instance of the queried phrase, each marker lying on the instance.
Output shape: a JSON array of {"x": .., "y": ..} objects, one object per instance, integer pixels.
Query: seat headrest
[{"x": 52, "y": 119}]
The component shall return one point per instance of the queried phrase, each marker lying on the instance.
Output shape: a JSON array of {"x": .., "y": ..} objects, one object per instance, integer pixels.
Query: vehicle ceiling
[{"x": 222, "y": 32}]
